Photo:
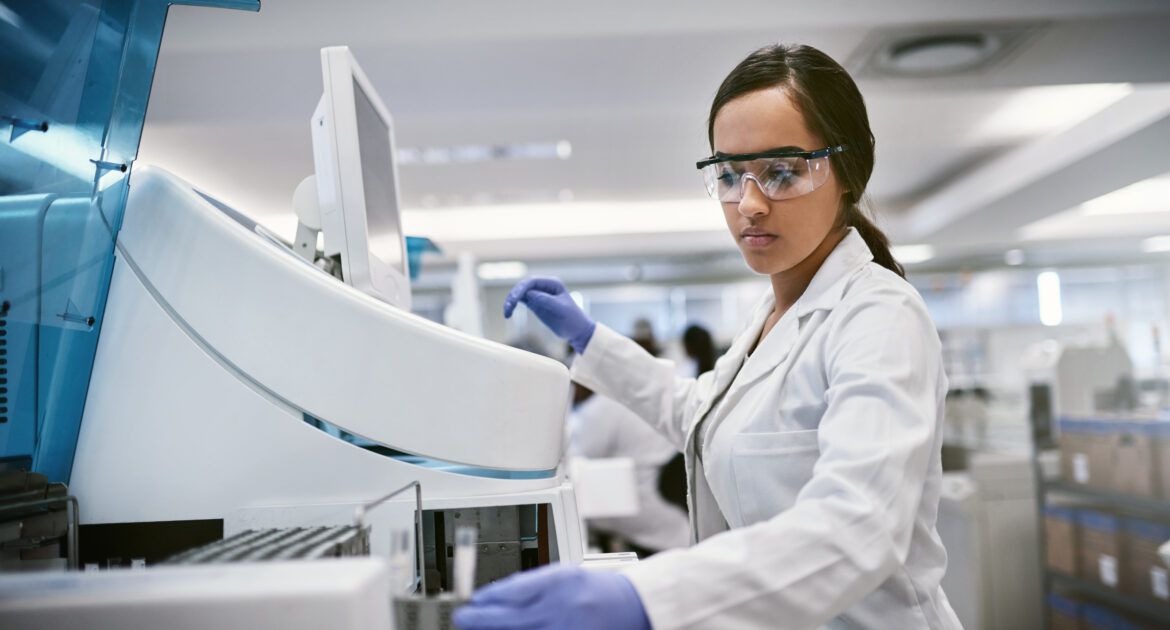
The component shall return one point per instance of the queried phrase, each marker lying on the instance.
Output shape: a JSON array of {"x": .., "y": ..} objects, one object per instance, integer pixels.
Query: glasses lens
[
  {"x": 778, "y": 178},
  {"x": 720, "y": 179}
]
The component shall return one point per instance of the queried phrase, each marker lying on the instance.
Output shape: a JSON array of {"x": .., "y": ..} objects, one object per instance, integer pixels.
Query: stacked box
[
  {"x": 1060, "y": 535},
  {"x": 1086, "y": 452},
  {"x": 1134, "y": 470},
  {"x": 1161, "y": 433},
  {"x": 1146, "y": 575},
  {"x": 1101, "y": 556},
  {"x": 1064, "y": 613}
]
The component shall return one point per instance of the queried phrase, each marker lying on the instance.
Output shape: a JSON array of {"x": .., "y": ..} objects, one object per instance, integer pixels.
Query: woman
[{"x": 813, "y": 447}]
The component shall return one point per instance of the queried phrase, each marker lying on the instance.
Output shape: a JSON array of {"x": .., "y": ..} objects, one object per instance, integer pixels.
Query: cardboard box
[
  {"x": 1146, "y": 575},
  {"x": 1134, "y": 469},
  {"x": 1101, "y": 557},
  {"x": 1086, "y": 452},
  {"x": 1161, "y": 433},
  {"x": 1060, "y": 539}
]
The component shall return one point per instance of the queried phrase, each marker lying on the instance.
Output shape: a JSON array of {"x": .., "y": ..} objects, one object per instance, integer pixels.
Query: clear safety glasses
[{"x": 780, "y": 173}]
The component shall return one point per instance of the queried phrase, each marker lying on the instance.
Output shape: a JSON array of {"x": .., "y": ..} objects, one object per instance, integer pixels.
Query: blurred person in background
[{"x": 599, "y": 428}]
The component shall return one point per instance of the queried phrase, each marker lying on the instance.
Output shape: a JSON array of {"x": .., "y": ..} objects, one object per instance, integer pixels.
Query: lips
[{"x": 753, "y": 237}]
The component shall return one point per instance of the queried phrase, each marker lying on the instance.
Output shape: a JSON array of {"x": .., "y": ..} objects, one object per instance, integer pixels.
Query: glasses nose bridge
[
  {"x": 755, "y": 206},
  {"x": 743, "y": 183}
]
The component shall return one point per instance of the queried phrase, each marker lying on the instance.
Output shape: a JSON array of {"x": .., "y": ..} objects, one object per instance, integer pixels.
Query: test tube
[{"x": 466, "y": 537}]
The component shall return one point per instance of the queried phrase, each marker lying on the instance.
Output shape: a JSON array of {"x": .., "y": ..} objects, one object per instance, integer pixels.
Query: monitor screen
[{"x": 382, "y": 221}]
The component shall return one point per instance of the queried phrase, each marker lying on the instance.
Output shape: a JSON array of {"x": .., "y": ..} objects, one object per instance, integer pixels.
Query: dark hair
[
  {"x": 699, "y": 345},
  {"x": 833, "y": 109}
]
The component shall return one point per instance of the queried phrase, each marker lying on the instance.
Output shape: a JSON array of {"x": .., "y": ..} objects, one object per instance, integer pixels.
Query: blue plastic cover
[
  {"x": 1149, "y": 530},
  {"x": 1064, "y": 605},
  {"x": 1099, "y": 521},
  {"x": 1100, "y": 617},
  {"x": 75, "y": 76},
  {"x": 1060, "y": 512}
]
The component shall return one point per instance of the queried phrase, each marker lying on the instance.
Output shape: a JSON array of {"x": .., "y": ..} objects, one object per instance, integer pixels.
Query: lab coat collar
[
  {"x": 828, "y": 284},
  {"x": 823, "y": 293}
]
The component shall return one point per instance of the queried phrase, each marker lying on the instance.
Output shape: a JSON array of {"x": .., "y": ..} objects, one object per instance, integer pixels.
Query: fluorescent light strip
[
  {"x": 509, "y": 270},
  {"x": 470, "y": 153},
  {"x": 912, "y": 254},
  {"x": 1048, "y": 291},
  {"x": 1156, "y": 244},
  {"x": 1146, "y": 196},
  {"x": 530, "y": 221},
  {"x": 1049, "y": 109}
]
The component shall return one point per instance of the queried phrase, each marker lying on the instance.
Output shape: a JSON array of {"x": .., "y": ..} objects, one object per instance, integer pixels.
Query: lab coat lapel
[
  {"x": 731, "y": 363},
  {"x": 771, "y": 351},
  {"x": 824, "y": 292}
]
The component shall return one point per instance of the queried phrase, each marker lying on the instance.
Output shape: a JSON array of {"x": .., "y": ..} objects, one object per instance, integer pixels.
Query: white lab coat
[
  {"x": 599, "y": 428},
  {"x": 821, "y": 451}
]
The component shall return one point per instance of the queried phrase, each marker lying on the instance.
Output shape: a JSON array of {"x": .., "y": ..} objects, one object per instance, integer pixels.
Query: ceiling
[{"x": 965, "y": 162}]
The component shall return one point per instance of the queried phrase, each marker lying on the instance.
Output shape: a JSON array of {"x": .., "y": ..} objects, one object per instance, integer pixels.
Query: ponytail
[{"x": 874, "y": 237}]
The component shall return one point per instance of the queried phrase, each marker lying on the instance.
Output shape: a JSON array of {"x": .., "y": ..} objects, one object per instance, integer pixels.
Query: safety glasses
[{"x": 780, "y": 173}]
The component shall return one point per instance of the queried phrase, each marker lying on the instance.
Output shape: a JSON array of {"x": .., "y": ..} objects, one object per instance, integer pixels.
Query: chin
[{"x": 763, "y": 265}]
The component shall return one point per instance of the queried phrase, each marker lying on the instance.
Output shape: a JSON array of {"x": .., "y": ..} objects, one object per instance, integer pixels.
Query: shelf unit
[{"x": 1115, "y": 599}]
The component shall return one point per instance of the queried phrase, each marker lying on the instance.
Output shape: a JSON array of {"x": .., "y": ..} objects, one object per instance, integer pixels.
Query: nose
[{"x": 753, "y": 202}]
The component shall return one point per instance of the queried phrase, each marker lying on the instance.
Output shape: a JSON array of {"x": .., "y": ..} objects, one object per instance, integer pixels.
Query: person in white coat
[
  {"x": 813, "y": 448},
  {"x": 600, "y": 427}
]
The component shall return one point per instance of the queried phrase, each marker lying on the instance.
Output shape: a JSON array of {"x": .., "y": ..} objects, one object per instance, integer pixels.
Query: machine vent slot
[{"x": 4, "y": 363}]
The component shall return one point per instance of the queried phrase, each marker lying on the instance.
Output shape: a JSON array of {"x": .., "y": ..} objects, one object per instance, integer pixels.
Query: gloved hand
[
  {"x": 556, "y": 597},
  {"x": 550, "y": 301}
]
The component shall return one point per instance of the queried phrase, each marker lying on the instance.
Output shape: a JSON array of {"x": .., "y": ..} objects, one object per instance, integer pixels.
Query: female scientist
[{"x": 813, "y": 446}]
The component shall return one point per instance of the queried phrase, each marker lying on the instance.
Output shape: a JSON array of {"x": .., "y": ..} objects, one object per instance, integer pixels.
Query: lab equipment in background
[
  {"x": 1103, "y": 517},
  {"x": 291, "y": 543},
  {"x": 356, "y": 181},
  {"x": 224, "y": 353},
  {"x": 416, "y": 248},
  {"x": 605, "y": 487},
  {"x": 984, "y": 510},
  {"x": 1068, "y": 381},
  {"x": 464, "y": 561},
  {"x": 77, "y": 76},
  {"x": 38, "y": 523},
  {"x": 341, "y": 594},
  {"x": 465, "y": 312},
  {"x": 186, "y": 402}
]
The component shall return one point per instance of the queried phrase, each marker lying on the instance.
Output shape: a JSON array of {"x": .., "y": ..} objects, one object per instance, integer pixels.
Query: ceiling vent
[{"x": 938, "y": 51}]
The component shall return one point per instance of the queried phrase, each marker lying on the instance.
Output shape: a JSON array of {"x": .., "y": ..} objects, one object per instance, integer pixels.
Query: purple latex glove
[
  {"x": 556, "y": 597},
  {"x": 550, "y": 301}
]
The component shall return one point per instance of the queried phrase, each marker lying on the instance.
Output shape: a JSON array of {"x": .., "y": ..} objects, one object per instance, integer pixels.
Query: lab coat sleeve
[
  {"x": 850, "y": 527},
  {"x": 614, "y": 366}
]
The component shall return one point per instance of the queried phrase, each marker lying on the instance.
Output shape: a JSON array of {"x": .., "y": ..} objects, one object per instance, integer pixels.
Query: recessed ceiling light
[
  {"x": 940, "y": 53},
  {"x": 1013, "y": 257}
]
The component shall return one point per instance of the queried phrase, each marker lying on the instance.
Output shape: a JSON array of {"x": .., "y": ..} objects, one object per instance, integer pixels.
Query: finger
[
  {"x": 491, "y": 617},
  {"x": 539, "y": 301},
  {"x": 548, "y": 285},
  {"x": 519, "y": 589},
  {"x": 515, "y": 295}
]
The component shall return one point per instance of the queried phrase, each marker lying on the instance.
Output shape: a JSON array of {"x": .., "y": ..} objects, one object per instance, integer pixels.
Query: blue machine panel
[{"x": 76, "y": 79}]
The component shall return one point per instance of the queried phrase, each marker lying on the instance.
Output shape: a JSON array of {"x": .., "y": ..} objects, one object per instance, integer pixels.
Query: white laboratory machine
[{"x": 238, "y": 383}]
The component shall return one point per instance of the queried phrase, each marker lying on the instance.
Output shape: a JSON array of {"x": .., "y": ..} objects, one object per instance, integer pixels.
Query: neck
[{"x": 789, "y": 285}]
